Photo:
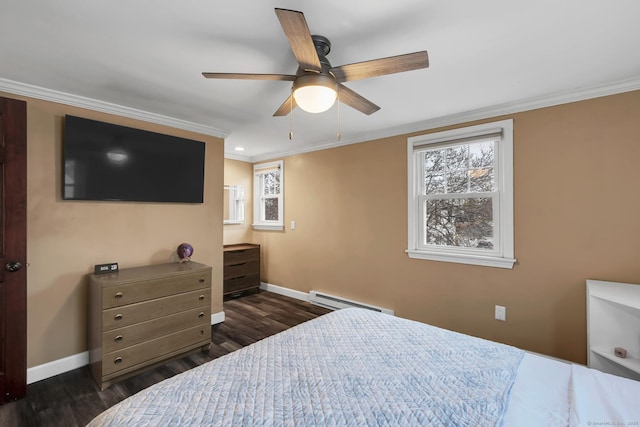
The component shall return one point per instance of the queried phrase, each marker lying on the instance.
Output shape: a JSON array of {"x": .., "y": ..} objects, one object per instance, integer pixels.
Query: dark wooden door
[{"x": 13, "y": 249}]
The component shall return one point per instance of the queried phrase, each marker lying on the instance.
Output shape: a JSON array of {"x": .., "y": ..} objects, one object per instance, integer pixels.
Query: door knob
[{"x": 13, "y": 266}]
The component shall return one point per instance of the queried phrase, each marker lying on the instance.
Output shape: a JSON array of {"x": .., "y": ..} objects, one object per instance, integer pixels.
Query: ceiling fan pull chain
[
  {"x": 291, "y": 115},
  {"x": 338, "y": 135}
]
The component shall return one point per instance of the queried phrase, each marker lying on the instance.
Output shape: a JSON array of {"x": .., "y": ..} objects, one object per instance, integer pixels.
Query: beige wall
[
  {"x": 241, "y": 174},
  {"x": 577, "y": 216},
  {"x": 65, "y": 239}
]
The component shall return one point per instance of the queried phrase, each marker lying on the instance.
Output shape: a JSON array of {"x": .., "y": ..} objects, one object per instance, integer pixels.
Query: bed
[{"x": 356, "y": 367}]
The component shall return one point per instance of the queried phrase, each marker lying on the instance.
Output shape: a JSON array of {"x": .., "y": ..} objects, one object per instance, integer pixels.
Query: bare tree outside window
[
  {"x": 271, "y": 183},
  {"x": 271, "y": 209},
  {"x": 270, "y": 192},
  {"x": 457, "y": 180}
]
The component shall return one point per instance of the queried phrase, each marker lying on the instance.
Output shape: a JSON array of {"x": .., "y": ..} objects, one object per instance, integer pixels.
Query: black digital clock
[{"x": 111, "y": 267}]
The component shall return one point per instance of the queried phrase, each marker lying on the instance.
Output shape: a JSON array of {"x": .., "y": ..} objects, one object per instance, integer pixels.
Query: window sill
[
  {"x": 268, "y": 227},
  {"x": 486, "y": 261}
]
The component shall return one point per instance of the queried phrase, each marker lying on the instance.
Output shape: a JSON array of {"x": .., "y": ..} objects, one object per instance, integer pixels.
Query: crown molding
[
  {"x": 565, "y": 97},
  {"x": 233, "y": 156},
  {"x": 44, "y": 94},
  {"x": 549, "y": 100}
]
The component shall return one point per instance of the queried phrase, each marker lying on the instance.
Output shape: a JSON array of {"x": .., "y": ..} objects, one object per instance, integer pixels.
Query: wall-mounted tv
[{"x": 103, "y": 161}]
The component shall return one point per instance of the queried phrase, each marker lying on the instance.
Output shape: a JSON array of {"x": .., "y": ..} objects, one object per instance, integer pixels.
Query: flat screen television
[{"x": 103, "y": 161}]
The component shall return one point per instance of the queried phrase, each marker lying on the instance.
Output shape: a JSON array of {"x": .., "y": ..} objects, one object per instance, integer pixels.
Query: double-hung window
[
  {"x": 268, "y": 192},
  {"x": 461, "y": 195}
]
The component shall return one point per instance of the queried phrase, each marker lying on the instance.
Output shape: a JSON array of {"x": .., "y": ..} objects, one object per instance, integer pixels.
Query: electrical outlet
[
  {"x": 293, "y": 225},
  {"x": 501, "y": 313}
]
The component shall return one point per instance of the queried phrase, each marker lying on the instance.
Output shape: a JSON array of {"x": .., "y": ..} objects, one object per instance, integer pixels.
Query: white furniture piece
[{"x": 613, "y": 320}]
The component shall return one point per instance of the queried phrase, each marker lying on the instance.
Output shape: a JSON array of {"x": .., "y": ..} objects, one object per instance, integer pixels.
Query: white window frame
[
  {"x": 259, "y": 223},
  {"x": 235, "y": 203},
  {"x": 502, "y": 255}
]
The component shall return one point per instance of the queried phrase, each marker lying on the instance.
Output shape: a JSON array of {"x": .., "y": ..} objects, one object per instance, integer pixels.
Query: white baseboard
[
  {"x": 57, "y": 367},
  {"x": 217, "y": 317},
  {"x": 69, "y": 363},
  {"x": 303, "y": 296}
]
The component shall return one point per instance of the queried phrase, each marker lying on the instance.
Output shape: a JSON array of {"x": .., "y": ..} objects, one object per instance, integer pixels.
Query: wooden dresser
[
  {"x": 143, "y": 317},
  {"x": 241, "y": 268}
]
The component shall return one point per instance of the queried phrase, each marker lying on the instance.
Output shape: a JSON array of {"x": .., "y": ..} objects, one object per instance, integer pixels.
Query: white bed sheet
[
  {"x": 539, "y": 396},
  {"x": 548, "y": 392},
  {"x": 599, "y": 399}
]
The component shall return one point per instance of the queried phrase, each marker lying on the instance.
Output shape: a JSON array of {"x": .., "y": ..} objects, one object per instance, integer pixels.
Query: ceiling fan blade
[
  {"x": 286, "y": 107},
  {"x": 352, "y": 99},
  {"x": 249, "y": 76},
  {"x": 381, "y": 67},
  {"x": 295, "y": 28}
]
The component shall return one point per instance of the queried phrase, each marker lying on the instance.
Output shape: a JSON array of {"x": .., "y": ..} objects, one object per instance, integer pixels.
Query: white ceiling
[{"x": 148, "y": 55}]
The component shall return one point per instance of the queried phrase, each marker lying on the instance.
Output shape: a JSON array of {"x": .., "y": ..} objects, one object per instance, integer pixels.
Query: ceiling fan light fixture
[{"x": 315, "y": 93}]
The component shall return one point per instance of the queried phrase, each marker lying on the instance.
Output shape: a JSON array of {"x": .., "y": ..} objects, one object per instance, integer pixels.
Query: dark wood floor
[{"x": 74, "y": 399}]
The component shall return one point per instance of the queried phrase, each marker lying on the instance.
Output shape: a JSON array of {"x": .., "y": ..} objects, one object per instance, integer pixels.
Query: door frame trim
[{"x": 14, "y": 245}]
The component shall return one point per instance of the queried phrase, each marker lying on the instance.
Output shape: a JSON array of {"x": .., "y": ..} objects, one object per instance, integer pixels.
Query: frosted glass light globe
[{"x": 315, "y": 93}]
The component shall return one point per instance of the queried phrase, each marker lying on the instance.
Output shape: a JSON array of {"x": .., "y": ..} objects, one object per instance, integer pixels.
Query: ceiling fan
[{"x": 317, "y": 84}]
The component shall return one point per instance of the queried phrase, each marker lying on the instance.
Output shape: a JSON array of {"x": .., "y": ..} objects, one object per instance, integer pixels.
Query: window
[
  {"x": 461, "y": 195},
  {"x": 233, "y": 207},
  {"x": 268, "y": 193}
]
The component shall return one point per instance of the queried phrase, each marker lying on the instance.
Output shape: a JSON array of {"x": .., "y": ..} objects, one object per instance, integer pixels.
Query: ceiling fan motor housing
[
  {"x": 313, "y": 79},
  {"x": 323, "y": 47},
  {"x": 322, "y": 44}
]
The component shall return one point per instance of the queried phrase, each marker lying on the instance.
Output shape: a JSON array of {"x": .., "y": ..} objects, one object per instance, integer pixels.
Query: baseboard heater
[{"x": 334, "y": 302}]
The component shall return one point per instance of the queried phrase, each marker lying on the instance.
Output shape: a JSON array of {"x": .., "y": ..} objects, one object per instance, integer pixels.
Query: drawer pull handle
[
  {"x": 237, "y": 265},
  {"x": 119, "y": 295},
  {"x": 117, "y": 360},
  {"x": 201, "y": 280},
  {"x": 237, "y": 278},
  {"x": 118, "y": 338},
  {"x": 117, "y": 317},
  {"x": 201, "y": 315},
  {"x": 201, "y": 332},
  {"x": 201, "y": 297}
]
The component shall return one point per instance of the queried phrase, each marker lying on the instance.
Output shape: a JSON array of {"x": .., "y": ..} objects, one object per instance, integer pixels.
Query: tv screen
[{"x": 103, "y": 161}]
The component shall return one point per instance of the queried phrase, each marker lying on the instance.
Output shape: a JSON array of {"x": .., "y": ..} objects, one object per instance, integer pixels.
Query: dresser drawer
[
  {"x": 119, "y": 317},
  {"x": 118, "y": 295},
  {"x": 241, "y": 255},
  {"x": 241, "y": 269},
  {"x": 241, "y": 283},
  {"x": 120, "y": 338},
  {"x": 138, "y": 354}
]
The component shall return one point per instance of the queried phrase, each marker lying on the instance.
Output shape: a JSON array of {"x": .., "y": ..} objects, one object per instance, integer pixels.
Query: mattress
[{"x": 356, "y": 367}]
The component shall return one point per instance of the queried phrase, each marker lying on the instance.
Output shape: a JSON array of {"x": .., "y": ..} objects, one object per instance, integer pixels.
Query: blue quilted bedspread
[{"x": 352, "y": 367}]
